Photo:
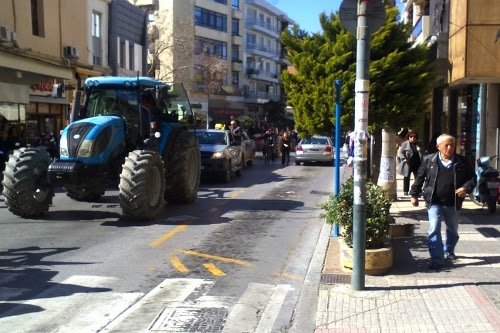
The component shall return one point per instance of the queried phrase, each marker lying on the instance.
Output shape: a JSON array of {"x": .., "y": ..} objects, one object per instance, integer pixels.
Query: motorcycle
[{"x": 487, "y": 190}]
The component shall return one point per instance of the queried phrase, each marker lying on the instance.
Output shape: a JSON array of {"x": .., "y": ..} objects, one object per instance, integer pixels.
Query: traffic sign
[{"x": 375, "y": 13}]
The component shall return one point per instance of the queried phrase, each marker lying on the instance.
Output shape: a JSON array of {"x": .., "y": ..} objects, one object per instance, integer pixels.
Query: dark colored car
[{"x": 221, "y": 154}]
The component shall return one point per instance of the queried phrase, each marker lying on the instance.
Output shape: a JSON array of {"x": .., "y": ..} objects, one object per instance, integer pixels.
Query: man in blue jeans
[{"x": 446, "y": 178}]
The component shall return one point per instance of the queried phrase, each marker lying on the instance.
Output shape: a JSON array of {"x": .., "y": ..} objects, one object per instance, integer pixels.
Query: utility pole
[
  {"x": 370, "y": 16},
  {"x": 362, "y": 89}
]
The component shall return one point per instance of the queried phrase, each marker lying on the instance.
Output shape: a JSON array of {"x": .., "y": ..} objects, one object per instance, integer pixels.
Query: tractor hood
[{"x": 93, "y": 138}]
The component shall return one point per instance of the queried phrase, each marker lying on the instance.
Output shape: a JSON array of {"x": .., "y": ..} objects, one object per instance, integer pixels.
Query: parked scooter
[{"x": 487, "y": 190}]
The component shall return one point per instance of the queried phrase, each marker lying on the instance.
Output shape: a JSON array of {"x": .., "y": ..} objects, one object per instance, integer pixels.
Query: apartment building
[
  {"x": 47, "y": 50},
  {"x": 463, "y": 36},
  {"x": 226, "y": 52}
]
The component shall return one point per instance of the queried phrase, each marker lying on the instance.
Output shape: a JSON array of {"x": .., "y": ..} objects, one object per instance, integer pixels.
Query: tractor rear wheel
[
  {"x": 26, "y": 188},
  {"x": 183, "y": 168},
  {"x": 142, "y": 183}
]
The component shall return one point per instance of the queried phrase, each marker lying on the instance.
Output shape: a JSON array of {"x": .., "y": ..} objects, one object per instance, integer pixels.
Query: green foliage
[
  {"x": 400, "y": 76},
  {"x": 339, "y": 209}
]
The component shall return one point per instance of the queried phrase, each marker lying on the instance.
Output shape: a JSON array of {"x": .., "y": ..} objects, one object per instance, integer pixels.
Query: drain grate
[
  {"x": 320, "y": 192},
  {"x": 335, "y": 278},
  {"x": 191, "y": 320}
]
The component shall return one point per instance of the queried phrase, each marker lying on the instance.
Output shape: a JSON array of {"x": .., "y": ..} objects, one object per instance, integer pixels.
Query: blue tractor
[{"x": 136, "y": 132}]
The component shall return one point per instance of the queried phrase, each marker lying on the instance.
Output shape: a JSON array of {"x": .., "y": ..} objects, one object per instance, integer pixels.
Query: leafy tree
[{"x": 400, "y": 76}]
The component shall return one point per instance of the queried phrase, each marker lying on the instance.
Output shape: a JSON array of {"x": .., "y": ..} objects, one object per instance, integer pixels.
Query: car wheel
[{"x": 297, "y": 162}]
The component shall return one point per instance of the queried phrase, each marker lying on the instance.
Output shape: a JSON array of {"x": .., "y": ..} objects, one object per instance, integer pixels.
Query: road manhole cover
[{"x": 190, "y": 319}]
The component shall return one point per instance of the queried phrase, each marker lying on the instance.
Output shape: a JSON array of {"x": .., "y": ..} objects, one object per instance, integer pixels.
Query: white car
[{"x": 314, "y": 149}]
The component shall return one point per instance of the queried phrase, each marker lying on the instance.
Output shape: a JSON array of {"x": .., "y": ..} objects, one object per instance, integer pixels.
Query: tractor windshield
[{"x": 103, "y": 101}]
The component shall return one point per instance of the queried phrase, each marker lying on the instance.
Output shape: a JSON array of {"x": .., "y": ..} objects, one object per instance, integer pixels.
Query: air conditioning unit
[
  {"x": 5, "y": 34},
  {"x": 71, "y": 52}
]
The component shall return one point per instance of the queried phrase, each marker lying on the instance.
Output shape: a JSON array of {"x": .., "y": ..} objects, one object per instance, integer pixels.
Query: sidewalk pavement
[{"x": 463, "y": 297}]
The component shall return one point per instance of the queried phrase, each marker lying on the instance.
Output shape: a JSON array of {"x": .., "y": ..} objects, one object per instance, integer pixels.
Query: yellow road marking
[
  {"x": 237, "y": 194},
  {"x": 209, "y": 256},
  {"x": 214, "y": 270},
  {"x": 178, "y": 264},
  {"x": 163, "y": 238}
]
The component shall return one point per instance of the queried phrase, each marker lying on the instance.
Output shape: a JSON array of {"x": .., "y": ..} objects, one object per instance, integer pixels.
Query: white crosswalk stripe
[
  {"x": 78, "y": 304},
  {"x": 84, "y": 304}
]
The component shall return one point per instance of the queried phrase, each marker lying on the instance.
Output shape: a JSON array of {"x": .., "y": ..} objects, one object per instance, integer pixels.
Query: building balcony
[
  {"x": 236, "y": 65},
  {"x": 262, "y": 50},
  {"x": 260, "y": 97},
  {"x": 251, "y": 23}
]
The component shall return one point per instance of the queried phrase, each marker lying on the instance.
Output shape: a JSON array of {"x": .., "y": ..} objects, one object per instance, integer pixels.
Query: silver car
[{"x": 314, "y": 149}]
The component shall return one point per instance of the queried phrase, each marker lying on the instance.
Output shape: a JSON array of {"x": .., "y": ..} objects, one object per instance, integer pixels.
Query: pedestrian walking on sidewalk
[
  {"x": 446, "y": 178},
  {"x": 410, "y": 155}
]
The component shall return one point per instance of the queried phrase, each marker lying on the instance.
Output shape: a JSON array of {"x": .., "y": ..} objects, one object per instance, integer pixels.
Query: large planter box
[{"x": 377, "y": 261}]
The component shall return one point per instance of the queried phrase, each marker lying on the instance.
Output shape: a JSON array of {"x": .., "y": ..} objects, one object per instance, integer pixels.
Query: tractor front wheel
[
  {"x": 26, "y": 188},
  {"x": 142, "y": 183}
]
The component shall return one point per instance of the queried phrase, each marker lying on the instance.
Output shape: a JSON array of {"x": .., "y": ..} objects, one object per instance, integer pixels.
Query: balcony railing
[
  {"x": 253, "y": 95},
  {"x": 261, "y": 23},
  {"x": 263, "y": 48}
]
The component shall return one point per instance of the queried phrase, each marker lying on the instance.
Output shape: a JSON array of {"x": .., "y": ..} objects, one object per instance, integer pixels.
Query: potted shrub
[{"x": 339, "y": 209}]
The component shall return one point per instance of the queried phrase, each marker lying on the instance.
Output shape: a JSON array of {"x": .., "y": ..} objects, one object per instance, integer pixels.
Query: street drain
[
  {"x": 335, "y": 278},
  {"x": 190, "y": 320}
]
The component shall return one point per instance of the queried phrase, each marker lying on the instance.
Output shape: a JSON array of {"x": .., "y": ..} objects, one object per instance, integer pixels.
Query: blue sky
[{"x": 306, "y": 13}]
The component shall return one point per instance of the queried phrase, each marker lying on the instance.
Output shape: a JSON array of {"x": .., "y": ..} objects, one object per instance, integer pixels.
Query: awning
[
  {"x": 85, "y": 71},
  {"x": 34, "y": 66},
  {"x": 52, "y": 100}
]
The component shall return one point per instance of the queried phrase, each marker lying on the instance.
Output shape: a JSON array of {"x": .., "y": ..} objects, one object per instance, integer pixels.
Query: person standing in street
[
  {"x": 286, "y": 145},
  {"x": 410, "y": 154},
  {"x": 444, "y": 179}
]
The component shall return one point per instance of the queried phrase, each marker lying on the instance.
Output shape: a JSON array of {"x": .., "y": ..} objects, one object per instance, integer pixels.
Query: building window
[
  {"x": 131, "y": 56},
  {"x": 235, "y": 78},
  {"x": 235, "y": 4},
  {"x": 224, "y": 2},
  {"x": 235, "y": 52},
  {"x": 210, "y": 47},
  {"x": 123, "y": 56},
  {"x": 37, "y": 18},
  {"x": 235, "y": 27},
  {"x": 210, "y": 19},
  {"x": 96, "y": 38},
  {"x": 251, "y": 41}
]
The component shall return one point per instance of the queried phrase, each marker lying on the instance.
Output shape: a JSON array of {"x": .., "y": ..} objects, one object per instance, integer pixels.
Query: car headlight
[
  {"x": 219, "y": 154},
  {"x": 85, "y": 149}
]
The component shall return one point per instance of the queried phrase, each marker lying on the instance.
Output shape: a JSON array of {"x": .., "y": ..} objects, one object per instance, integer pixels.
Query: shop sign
[
  {"x": 42, "y": 87},
  {"x": 48, "y": 89}
]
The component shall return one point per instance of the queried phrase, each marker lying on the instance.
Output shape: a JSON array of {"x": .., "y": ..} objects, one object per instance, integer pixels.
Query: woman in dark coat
[{"x": 286, "y": 145}]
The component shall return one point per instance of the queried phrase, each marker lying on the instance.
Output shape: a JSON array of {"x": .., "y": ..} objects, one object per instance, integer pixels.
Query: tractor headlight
[
  {"x": 85, "y": 149},
  {"x": 63, "y": 146}
]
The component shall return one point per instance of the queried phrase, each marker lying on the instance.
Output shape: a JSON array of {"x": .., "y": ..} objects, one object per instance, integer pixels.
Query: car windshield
[
  {"x": 211, "y": 138},
  {"x": 315, "y": 141}
]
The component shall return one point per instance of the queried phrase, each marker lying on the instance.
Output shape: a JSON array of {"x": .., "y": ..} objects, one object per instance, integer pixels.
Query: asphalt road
[{"x": 233, "y": 261}]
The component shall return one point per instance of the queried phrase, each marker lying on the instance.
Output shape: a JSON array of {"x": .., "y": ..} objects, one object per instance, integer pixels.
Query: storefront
[{"x": 47, "y": 109}]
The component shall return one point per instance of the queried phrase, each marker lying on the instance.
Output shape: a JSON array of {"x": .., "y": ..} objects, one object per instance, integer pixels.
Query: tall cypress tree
[{"x": 400, "y": 76}]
